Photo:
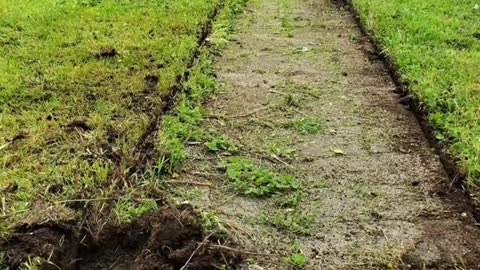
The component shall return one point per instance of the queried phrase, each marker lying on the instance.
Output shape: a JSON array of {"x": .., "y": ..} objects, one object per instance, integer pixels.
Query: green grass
[
  {"x": 80, "y": 82},
  {"x": 436, "y": 47},
  {"x": 297, "y": 260},
  {"x": 306, "y": 126},
  {"x": 255, "y": 181},
  {"x": 296, "y": 221}
]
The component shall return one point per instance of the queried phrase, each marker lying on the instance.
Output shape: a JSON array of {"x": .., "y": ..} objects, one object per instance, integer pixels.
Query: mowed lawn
[
  {"x": 79, "y": 84},
  {"x": 436, "y": 47}
]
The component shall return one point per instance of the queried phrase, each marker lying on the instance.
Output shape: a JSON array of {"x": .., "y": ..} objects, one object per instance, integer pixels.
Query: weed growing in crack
[
  {"x": 297, "y": 260},
  {"x": 291, "y": 220},
  {"x": 255, "y": 181}
]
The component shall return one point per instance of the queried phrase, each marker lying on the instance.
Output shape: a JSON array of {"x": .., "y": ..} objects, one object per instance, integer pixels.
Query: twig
[
  {"x": 196, "y": 250},
  {"x": 113, "y": 264},
  {"x": 282, "y": 161},
  {"x": 241, "y": 251},
  {"x": 188, "y": 183},
  {"x": 223, "y": 257}
]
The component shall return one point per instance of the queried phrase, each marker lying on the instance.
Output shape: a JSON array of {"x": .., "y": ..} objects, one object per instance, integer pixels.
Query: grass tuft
[
  {"x": 291, "y": 220},
  {"x": 255, "y": 181}
]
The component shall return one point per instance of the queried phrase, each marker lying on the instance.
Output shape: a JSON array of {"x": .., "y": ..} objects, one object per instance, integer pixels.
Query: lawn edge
[{"x": 458, "y": 178}]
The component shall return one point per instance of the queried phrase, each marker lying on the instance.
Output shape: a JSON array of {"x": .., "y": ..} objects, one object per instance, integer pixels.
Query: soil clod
[{"x": 164, "y": 239}]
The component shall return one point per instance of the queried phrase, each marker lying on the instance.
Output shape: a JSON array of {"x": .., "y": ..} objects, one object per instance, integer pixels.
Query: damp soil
[
  {"x": 165, "y": 239},
  {"x": 373, "y": 181}
]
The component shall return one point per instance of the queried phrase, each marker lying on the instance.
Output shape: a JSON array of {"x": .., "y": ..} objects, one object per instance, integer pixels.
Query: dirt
[
  {"x": 375, "y": 184},
  {"x": 106, "y": 54},
  {"x": 165, "y": 239}
]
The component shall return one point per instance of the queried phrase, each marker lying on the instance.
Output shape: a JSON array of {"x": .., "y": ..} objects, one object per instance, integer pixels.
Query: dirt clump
[{"x": 169, "y": 238}]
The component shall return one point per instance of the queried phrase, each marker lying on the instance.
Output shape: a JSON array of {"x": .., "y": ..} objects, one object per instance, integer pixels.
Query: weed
[
  {"x": 279, "y": 150},
  {"x": 292, "y": 100},
  {"x": 287, "y": 25},
  {"x": 291, "y": 220},
  {"x": 301, "y": 91},
  {"x": 32, "y": 264},
  {"x": 307, "y": 126},
  {"x": 222, "y": 144},
  {"x": 291, "y": 201},
  {"x": 255, "y": 181},
  {"x": 225, "y": 23},
  {"x": 173, "y": 154},
  {"x": 212, "y": 223},
  {"x": 127, "y": 210},
  {"x": 297, "y": 260},
  {"x": 3, "y": 262},
  {"x": 188, "y": 193}
]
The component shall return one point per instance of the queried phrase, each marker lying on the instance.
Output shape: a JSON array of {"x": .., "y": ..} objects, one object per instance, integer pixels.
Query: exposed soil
[
  {"x": 374, "y": 183},
  {"x": 165, "y": 239}
]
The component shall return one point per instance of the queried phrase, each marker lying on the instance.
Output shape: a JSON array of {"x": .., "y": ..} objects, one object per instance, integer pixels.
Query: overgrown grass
[
  {"x": 436, "y": 47},
  {"x": 80, "y": 82}
]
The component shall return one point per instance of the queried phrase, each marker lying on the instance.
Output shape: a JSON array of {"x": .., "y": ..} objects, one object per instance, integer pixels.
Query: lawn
[
  {"x": 435, "y": 45},
  {"x": 81, "y": 82}
]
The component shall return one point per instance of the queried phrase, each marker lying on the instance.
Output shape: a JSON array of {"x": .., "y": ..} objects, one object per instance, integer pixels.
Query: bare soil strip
[{"x": 306, "y": 96}]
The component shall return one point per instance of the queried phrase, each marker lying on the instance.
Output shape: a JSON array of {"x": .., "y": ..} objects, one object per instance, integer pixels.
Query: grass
[
  {"x": 294, "y": 221},
  {"x": 435, "y": 45},
  {"x": 222, "y": 144},
  {"x": 297, "y": 260},
  {"x": 255, "y": 181},
  {"x": 287, "y": 25},
  {"x": 306, "y": 126},
  {"x": 80, "y": 82}
]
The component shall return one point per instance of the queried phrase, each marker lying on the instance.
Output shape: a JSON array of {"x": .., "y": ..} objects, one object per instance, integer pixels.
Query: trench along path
[{"x": 377, "y": 190}]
